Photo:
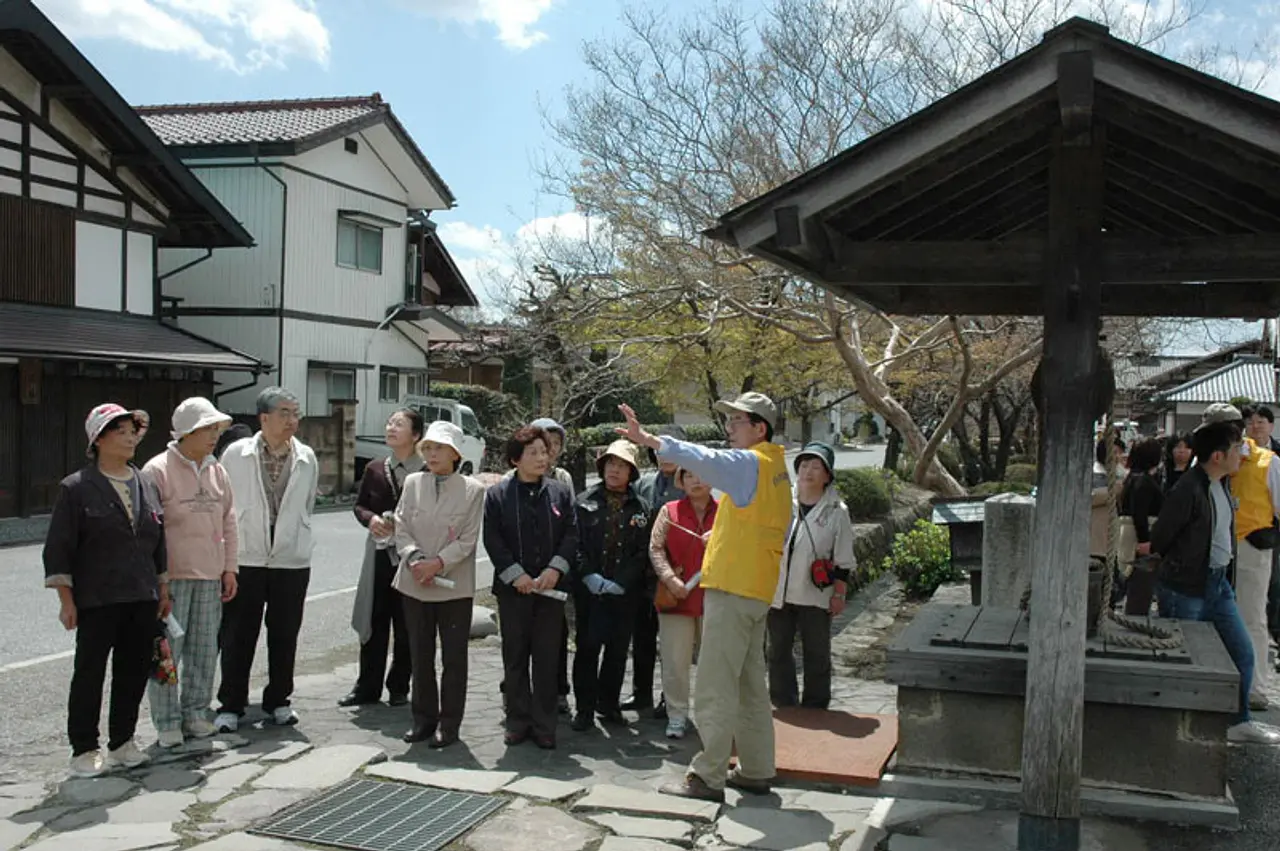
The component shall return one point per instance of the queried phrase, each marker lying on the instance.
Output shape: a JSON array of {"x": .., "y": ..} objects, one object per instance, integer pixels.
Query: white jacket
[
  {"x": 827, "y": 532},
  {"x": 291, "y": 547}
]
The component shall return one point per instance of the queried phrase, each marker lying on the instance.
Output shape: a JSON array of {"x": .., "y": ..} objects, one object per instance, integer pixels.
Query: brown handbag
[{"x": 663, "y": 599}]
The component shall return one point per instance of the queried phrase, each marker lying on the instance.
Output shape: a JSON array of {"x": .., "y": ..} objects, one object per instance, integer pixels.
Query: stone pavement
[{"x": 596, "y": 792}]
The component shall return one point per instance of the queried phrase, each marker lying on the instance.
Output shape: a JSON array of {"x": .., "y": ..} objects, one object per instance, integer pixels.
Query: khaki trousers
[
  {"x": 1253, "y": 578},
  {"x": 731, "y": 694},
  {"x": 678, "y": 634}
]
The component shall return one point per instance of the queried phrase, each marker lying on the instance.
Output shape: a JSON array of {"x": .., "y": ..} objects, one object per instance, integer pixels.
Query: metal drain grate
[{"x": 373, "y": 815}]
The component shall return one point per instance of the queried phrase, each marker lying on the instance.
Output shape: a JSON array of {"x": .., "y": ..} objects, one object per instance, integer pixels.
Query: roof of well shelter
[{"x": 947, "y": 211}]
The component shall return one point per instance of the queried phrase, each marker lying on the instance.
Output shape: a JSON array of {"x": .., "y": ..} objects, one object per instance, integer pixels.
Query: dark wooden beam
[
  {"x": 1172, "y": 204},
  {"x": 1256, "y": 300},
  {"x": 1075, "y": 94},
  {"x": 1122, "y": 259},
  {"x": 995, "y": 219},
  {"x": 1053, "y": 731},
  {"x": 787, "y": 222}
]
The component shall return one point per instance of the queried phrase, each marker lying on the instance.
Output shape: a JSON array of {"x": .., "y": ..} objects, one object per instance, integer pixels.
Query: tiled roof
[
  {"x": 1133, "y": 371},
  {"x": 1248, "y": 377},
  {"x": 70, "y": 333},
  {"x": 241, "y": 122}
]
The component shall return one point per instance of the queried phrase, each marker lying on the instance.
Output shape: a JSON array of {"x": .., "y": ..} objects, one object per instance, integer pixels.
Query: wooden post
[{"x": 1052, "y": 732}]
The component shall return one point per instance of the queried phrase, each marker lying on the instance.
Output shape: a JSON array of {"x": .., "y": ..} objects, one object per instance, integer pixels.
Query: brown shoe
[
  {"x": 513, "y": 738},
  {"x": 693, "y": 786},
  {"x": 737, "y": 780}
]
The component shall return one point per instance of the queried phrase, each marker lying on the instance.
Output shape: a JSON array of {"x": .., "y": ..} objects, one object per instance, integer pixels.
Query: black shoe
[
  {"x": 442, "y": 740},
  {"x": 512, "y": 738},
  {"x": 419, "y": 735},
  {"x": 581, "y": 722},
  {"x": 355, "y": 698},
  {"x": 547, "y": 743},
  {"x": 636, "y": 704},
  {"x": 398, "y": 698},
  {"x": 563, "y": 706},
  {"x": 660, "y": 711},
  {"x": 613, "y": 717}
]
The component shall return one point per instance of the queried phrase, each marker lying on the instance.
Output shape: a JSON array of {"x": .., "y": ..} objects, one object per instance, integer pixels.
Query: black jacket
[
  {"x": 91, "y": 540},
  {"x": 1141, "y": 499},
  {"x": 630, "y": 565},
  {"x": 534, "y": 532},
  {"x": 1183, "y": 533}
]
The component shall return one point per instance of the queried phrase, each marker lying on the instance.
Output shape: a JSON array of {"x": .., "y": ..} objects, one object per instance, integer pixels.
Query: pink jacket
[{"x": 199, "y": 515}]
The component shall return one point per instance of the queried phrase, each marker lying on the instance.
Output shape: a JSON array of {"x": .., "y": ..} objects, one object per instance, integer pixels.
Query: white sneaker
[
  {"x": 1253, "y": 733},
  {"x": 127, "y": 756},
  {"x": 200, "y": 728},
  {"x": 227, "y": 722},
  {"x": 676, "y": 728},
  {"x": 88, "y": 764},
  {"x": 170, "y": 738},
  {"x": 284, "y": 716}
]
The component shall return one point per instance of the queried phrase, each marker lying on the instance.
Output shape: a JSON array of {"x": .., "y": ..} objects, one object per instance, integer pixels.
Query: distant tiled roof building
[{"x": 1250, "y": 378}]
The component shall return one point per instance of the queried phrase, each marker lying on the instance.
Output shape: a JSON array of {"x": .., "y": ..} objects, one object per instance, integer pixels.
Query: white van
[{"x": 369, "y": 448}]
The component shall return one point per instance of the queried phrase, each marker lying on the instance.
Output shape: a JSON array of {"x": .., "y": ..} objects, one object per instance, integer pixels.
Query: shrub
[
  {"x": 865, "y": 492},
  {"x": 704, "y": 433},
  {"x": 993, "y": 488},
  {"x": 499, "y": 414},
  {"x": 921, "y": 559},
  {"x": 1020, "y": 474},
  {"x": 1022, "y": 459}
]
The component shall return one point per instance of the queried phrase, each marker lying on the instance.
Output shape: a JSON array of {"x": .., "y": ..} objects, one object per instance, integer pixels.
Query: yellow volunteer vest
[
  {"x": 745, "y": 550},
  {"x": 1249, "y": 486}
]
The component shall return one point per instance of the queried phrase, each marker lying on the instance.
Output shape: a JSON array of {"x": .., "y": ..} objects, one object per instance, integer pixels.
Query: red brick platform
[{"x": 833, "y": 747}]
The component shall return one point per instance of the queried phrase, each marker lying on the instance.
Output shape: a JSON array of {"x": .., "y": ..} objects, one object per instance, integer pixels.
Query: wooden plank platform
[
  {"x": 971, "y": 648},
  {"x": 828, "y": 746}
]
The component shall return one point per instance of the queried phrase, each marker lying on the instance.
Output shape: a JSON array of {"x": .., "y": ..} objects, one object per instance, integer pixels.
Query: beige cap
[
  {"x": 623, "y": 450},
  {"x": 1220, "y": 412},
  {"x": 752, "y": 403}
]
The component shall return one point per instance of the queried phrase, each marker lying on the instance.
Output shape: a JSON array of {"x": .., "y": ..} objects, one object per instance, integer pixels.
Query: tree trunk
[
  {"x": 875, "y": 394},
  {"x": 892, "y": 449},
  {"x": 990, "y": 472}
]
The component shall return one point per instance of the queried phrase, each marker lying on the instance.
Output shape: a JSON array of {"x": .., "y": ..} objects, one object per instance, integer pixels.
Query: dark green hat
[{"x": 822, "y": 452}]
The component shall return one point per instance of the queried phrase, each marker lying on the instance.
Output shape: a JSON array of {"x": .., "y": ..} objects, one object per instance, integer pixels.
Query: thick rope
[
  {"x": 1137, "y": 633},
  {"x": 1124, "y": 630}
]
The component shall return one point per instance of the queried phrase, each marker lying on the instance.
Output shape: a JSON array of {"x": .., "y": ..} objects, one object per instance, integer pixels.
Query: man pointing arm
[{"x": 740, "y": 575}]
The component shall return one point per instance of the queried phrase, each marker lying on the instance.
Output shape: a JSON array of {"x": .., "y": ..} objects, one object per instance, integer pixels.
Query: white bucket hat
[
  {"x": 194, "y": 414},
  {"x": 445, "y": 434}
]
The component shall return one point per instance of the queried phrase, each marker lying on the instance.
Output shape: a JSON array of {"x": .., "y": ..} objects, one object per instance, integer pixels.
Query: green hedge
[
  {"x": 1020, "y": 474},
  {"x": 865, "y": 492},
  {"x": 499, "y": 414},
  {"x": 993, "y": 488}
]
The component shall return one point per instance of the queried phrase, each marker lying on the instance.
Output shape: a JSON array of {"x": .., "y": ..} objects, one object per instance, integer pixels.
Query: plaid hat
[
  {"x": 107, "y": 413},
  {"x": 1220, "y": 412},
  {"x": 751, "y": 403}
]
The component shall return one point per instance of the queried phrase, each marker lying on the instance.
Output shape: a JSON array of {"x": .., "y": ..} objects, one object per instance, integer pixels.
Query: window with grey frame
[
  {"x": 388, "y": 384},
  {"x": 416, "y": 384},
  {"x": 342, "y": 384},
  {"x": 359, "y": 246}
]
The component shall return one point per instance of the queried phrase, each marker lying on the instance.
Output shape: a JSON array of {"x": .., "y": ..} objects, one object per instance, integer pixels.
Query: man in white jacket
[{"x": 274, "y": 478}]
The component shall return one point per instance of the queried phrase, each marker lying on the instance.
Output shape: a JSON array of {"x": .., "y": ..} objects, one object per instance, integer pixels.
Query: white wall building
[
  {"x": 341, "y": 290},
  {"x": 88, "y": 195}
]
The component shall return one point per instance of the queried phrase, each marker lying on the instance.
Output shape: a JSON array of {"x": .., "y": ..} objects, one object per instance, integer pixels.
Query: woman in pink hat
[
  {"x": 105, "y": 556},
  {"x": 201, "y": 540}
]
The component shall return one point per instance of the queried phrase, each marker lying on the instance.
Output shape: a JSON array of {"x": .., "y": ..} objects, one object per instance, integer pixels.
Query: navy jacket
[
  {"x": 630, "y": 565},
  {"x": 531, "y": 534},
  {"x": 91, "y": 541}
]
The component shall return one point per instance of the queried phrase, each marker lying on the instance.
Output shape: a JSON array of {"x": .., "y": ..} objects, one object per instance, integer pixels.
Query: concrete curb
[{"x": 1221, "y": 814}]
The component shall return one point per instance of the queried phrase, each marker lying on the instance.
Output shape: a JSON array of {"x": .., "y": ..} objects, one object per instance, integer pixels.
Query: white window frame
[
  {"x": 423, "y": 383},
  {"x": 334, "y": 373}
]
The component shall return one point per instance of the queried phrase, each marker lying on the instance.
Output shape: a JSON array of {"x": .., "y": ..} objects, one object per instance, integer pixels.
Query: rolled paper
[
  {"x": 444, "y": 582},
  {"x": 174, "y": 628},
  {"x": 554, "y": 594},
  {"x": 693, "y": 581}
]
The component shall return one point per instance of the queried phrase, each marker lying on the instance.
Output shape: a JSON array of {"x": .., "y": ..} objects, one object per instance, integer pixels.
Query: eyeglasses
[{"x": 732, "y": 422}]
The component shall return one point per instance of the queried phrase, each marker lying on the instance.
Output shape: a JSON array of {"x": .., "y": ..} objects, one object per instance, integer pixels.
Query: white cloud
[
  {"x": 515, "y": 20},
  {"x": 240, "y": 35},
  {"x": 464, "y": 236}
]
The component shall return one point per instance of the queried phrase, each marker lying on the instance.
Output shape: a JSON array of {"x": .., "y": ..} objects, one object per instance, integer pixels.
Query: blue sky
[{"x": 466, "y": 77}]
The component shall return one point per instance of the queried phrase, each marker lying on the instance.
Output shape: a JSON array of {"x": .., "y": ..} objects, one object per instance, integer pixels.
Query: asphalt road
[{"x": 35, "y": 651}]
